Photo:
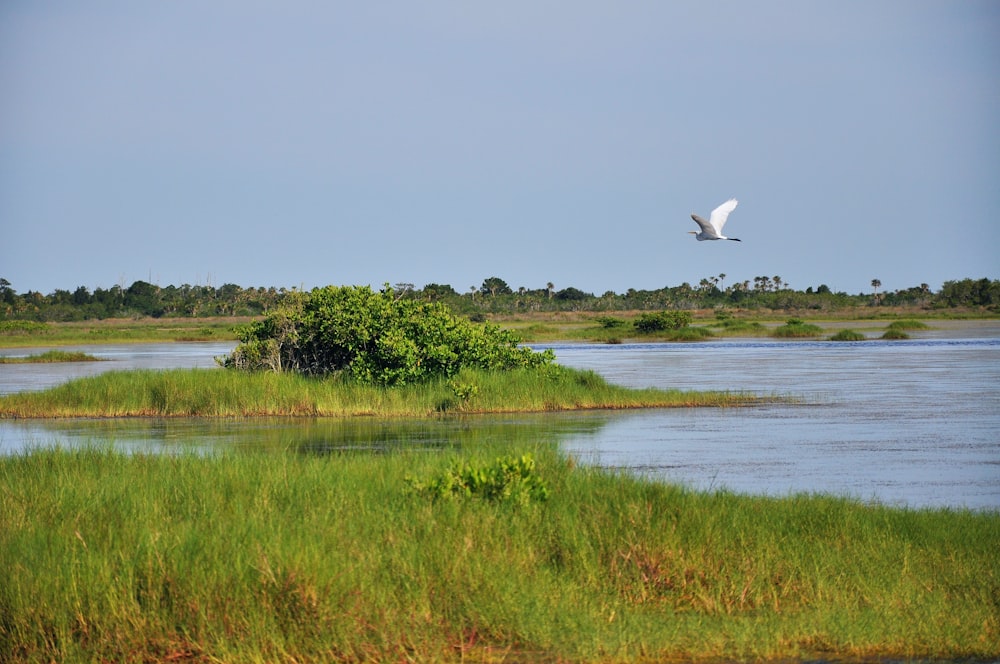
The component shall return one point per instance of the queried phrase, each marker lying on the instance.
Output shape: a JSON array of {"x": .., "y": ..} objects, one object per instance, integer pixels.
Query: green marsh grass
[
  {"x": 740, "y": 327},
  {"x": 145, "y": 330},
  {"x": 691, "y": 334},
  {"x": 299, "y": 557},
  {"x": 795, "y": 328},
  {"x": 221, "y": 393},
  {"x": 51, "y": 356},
  {"x": 908, "y": 325}
]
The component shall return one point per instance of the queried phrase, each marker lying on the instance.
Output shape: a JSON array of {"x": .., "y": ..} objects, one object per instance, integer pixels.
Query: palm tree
[{"x": 876, "y": 284}]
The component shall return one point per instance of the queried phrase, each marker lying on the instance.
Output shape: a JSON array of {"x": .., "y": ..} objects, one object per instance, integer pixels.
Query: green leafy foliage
[
  {"x": 794, "y": 327},
  {"x": 507, "y": 480},
  {"x": 664, "y": 320},
  {"x": 375, "y": 337},
  {"x": 611, "y": 322}
]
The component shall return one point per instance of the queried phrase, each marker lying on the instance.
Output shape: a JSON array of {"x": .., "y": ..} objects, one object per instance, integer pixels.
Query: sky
[{"x": 301, "y": 144}]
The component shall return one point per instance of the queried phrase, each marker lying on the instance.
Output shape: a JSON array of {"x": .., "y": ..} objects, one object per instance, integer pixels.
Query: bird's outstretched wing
[
  {"x": 706, "y": 227},
  {"x": 720, "y": 214}
]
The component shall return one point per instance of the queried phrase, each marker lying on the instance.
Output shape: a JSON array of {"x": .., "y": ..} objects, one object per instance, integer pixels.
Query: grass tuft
[
  {"x": 848, "y": 335},
  {"x": 51, "y": 356},
  {"x": 908, "y": 325},
  {"x": 796, "y": 328},
  {"x": 691, "y": 334}
]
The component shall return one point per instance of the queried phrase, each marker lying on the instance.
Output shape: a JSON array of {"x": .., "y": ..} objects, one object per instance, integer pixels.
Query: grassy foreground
[
  {"x": 299, "y": 558},
  {"x": 221, "y": 393}
]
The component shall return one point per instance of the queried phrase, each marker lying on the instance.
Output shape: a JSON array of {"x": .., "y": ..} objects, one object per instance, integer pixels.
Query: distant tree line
[{"x": 493, "y": 296}]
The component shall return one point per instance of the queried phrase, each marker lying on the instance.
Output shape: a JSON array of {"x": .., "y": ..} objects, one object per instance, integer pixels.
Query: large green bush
[{"x": 375, "y": 337}]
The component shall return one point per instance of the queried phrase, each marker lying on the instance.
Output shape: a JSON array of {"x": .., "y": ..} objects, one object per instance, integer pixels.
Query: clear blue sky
[{"x": 313, "y": 143}]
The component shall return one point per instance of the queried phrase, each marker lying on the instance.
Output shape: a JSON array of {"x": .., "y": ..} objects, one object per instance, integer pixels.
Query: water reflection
[{"x": 302, "y": 435}]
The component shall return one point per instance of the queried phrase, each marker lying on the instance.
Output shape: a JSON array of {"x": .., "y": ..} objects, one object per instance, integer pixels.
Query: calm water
[{"x": 913, "y": 422}]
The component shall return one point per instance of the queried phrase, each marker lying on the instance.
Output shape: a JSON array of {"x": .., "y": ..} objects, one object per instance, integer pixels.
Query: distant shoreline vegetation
[{"x": 493, "y": 297}]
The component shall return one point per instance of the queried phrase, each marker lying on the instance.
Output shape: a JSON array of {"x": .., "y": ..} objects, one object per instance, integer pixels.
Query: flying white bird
[{"x": 712, "y": 229}]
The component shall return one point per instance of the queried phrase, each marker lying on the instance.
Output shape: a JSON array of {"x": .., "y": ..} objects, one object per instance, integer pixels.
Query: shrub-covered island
[
  {"x": 376, "y": 337},
  {"x": 346, "y": 351}
]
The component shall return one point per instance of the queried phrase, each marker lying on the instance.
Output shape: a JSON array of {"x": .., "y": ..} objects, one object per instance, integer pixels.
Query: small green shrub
[
  {"x": 794, "y": 327},
  {"x": 664, "y": 320},
  {"x": 507, "y": 480},
  {"x": 847, "y": 335},
  {"x": 52, "y": 356},
  {"x": 463, "y": 391},
  {"x": 19, "y": 327},
  {"x": 611, "y": 322},
  {"x": 908, "y": 325},
  {"x": 895, "y": 333},
  {"x": 691, "y": 334},
  {"x": 737, "y": 325}
]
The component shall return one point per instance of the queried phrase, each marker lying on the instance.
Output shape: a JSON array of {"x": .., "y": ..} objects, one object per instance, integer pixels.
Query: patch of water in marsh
[{"x": 914, "y": 423}]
